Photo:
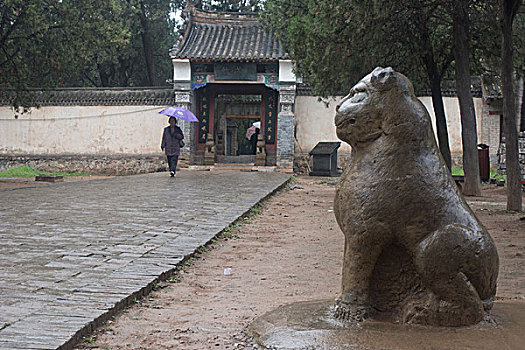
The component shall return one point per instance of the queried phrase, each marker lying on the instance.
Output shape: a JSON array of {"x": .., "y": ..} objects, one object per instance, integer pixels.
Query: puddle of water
[
  {"x": 493, "y": 204},
  {"x": 308, "y": 325}
]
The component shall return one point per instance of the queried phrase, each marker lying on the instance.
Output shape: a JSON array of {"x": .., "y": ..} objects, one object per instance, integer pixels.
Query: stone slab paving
[{"x": 73, "y": 253}]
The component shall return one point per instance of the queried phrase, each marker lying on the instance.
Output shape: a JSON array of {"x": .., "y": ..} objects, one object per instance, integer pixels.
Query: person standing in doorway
[
  {"x": 253, "y": 141},
  {"x": 171, "y": 143},
  {"x": 252, "y": 134}
]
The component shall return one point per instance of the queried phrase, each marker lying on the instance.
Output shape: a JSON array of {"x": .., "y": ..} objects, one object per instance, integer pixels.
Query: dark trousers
[{"x": 172, "y": 162}]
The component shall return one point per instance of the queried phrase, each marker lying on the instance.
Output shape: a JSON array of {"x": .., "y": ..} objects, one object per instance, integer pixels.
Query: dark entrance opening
[{"x": 235, "y": 116}]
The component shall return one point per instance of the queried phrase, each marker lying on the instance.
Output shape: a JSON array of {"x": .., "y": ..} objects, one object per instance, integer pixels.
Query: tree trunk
[
  {"x": 522, "y": 121},
  {"x": 104, "y": 76},
  {"x": 123, "y": 71},
  {"x": 469, "y": 135},
  {"x": 437, "y": 97},
  {"x": 441, "y": 121},
  {"x": 519, "y": 102},
  {"x": 147, "y": 44},
  {"x": 514, "y": 200}
]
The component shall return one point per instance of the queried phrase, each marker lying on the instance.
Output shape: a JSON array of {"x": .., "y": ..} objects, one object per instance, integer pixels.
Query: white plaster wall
[
  {"x": 82, "y": 130},
  {"x": 286, "y": 73},
  {"x": 138, "y": 129},
  {"x": 491, "y": 129},
  {"x": 181, "y": 70},
  {"x": 315, "y": 122},
  {"x": 454, "y": 120}
]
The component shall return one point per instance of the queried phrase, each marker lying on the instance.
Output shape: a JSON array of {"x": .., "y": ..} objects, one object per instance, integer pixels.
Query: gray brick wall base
[{"x": 92, "y": 164}]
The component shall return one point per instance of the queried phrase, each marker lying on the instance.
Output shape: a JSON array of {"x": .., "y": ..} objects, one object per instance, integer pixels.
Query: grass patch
[
  {"x": 25, "y": 171},
  {"x": 457, "y": 170},
  {"x": 256, "y": 209},
  {"x": 493, "y": 173},
  {"x": 330, "y": 182},
  {"x": 89, "y": 340},
  {"x": 5, "y": 325}
]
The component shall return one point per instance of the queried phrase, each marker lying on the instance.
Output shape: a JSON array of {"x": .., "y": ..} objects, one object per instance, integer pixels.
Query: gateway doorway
[
  {"x": 235, "y": 134},
  {"x": 226, "y": 112}
]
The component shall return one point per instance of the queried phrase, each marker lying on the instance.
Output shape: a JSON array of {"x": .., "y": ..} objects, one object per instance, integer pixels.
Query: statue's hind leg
[{"x": 444, "y": 262}]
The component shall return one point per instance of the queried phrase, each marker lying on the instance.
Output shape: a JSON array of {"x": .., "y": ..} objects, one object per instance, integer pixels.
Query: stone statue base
[{"x": 310, "y": 325}]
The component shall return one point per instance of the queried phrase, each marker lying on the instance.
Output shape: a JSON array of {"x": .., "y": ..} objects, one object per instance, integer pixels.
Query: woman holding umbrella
[
  {"x": 172, "y": 136},
  {"x": 171, "y": 143}
]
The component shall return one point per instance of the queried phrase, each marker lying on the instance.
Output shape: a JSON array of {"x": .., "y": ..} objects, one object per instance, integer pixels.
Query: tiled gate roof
[{"x": 227, "y": 36}]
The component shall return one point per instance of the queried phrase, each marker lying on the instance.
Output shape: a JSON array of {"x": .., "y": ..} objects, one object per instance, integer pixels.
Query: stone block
[{"x": 49, "y": 178}]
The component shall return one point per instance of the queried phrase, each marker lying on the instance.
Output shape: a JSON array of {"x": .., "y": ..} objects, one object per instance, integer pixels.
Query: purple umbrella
[{"x": 179, "y": 112}]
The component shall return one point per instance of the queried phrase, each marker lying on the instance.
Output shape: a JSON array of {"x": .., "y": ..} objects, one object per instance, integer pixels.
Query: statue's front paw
[{"x": 348, "y": 312}]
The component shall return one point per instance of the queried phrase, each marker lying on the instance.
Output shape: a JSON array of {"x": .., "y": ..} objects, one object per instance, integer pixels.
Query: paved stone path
[{"x": 73, "y": 253}]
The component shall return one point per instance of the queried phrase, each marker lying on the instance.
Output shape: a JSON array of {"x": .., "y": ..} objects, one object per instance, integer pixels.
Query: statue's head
[{"x": 375, "y": 104}]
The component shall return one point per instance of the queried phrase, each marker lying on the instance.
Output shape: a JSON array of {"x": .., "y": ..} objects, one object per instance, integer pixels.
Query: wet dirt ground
[{"x": 288, "y": 251}]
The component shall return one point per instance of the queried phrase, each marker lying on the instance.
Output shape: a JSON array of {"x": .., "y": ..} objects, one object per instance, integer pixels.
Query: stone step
[{"x": 233, "y": 166}]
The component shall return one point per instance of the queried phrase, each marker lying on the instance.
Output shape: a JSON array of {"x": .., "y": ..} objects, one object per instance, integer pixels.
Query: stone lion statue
[{"x": 414, "y": 250}]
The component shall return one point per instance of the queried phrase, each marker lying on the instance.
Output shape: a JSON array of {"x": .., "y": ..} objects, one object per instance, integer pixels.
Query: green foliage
[
  {"x": 519, "y": 41},
  {"x": 336, "y": 42},
  {"x": 329, "y": 182},
  {"x": 25, "y": 171},
  {"x": 5, "y": 325},
  {"x": 89, "y": 340},
  {"x": 324, "y": 37},
  {"x": 256, "y": 209},
  {"x": 190, "y": 261},
  {"x": 61, "y": 43},
  {"x": 457, "y": 170},
  {"x": 232, "y": 5},
  {"x": 33, "y": 40},
  {"x": 228, "y": 232},
  {"x": 494, "y": 174}
]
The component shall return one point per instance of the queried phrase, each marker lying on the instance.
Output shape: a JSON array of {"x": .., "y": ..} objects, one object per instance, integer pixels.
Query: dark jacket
[{"x": 170, "y": 140}]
